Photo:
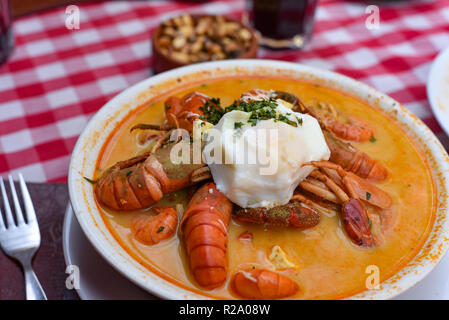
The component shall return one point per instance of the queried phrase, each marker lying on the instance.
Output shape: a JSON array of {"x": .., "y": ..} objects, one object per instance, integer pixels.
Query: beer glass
[{"x": 282, "y": 23}]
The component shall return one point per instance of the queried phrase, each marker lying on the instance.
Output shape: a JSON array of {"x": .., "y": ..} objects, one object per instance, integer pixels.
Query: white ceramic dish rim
[
  {"x": 89, "y": 144},
  {"x": 437, "y": 88}
]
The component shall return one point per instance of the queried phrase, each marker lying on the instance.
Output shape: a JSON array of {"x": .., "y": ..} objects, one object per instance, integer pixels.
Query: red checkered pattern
[{"x": 57, "y": 78}]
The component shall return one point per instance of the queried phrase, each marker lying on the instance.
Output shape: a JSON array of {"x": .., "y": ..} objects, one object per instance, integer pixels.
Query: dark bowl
[{"x": 163, "y": 62}]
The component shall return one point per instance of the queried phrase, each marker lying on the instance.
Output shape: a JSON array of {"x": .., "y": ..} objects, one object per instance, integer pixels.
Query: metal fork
[{"x": 21, "y": 241}]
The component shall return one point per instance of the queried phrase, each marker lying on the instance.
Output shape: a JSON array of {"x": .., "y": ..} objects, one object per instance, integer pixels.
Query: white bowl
[{"x": 90, "y": 142}]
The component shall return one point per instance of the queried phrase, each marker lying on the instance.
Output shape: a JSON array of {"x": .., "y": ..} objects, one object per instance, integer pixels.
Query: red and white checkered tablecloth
[{"x": 57, "y": 78}]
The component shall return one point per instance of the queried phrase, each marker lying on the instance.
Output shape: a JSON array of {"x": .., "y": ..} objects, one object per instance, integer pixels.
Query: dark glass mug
[
  {"x": 6, "y": 37},
  {"x": 282, "y": 23}
]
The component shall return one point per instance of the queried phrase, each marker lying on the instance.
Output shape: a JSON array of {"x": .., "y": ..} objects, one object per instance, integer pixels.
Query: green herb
[
  {"x": 368, "y": 195},
  {"x": 373, "y": 139},
  {"x": 90, "y": 180},
  {"x": 128, "y": 173},
  {"x": 212, "y": 111},
  {"x": 258, "y": 109},
  {"x": 167, "y": 107},
  {"x": 370, "y": 223},
  {"x": 260, "y": 106},
  {"x": 160, "y": 229},
  {"x": 238, "y": 125},
  {"x": 252, "y": 121},
  {"x": 286, "y": 120}
]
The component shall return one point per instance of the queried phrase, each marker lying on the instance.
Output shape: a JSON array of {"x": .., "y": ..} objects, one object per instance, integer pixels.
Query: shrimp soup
[{"x": 322, "y": 260}]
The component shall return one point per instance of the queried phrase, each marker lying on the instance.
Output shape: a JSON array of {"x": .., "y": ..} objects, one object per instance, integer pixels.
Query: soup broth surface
[{"x": 329, "y": 265}]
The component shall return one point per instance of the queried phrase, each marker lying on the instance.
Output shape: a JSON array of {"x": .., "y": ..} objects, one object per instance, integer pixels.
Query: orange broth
[{"x": 329, "y": 265}]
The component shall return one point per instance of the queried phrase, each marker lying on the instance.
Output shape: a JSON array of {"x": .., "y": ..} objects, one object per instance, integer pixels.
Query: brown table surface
[
  {"x": 23, "y": 7},
  {"x": 50, "y": 201}
]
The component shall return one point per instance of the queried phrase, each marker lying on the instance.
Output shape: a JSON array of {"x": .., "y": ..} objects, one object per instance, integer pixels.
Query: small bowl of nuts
[{"x": 191, "y": 39}]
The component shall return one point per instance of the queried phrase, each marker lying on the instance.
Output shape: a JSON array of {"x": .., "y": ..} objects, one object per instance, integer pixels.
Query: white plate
[
  {"x": 438, "y": 89},
  {"x": 99, "y": 281}
]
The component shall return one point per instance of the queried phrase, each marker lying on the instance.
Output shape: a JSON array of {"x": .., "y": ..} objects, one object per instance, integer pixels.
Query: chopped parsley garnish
[
  {"x": 258, "y": 109},
  {"x": 370, "y": 223},
  {"x": 252, "y": 106},
  {"x": 160, "y": 229},
  {"x": 238, "y": 125},
  {"x": 90, "y": 180},
  {"x": 368, "y": 196},
  {"x": 372, "y": 139},
  {"x": 128, "y": 173},
  {"x": 286, "y": 120},
  {"x": 212, "y": 111}
]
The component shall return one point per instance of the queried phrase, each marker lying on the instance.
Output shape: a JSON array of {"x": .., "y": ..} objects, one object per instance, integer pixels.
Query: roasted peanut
[{"x": 189, "y": 38}]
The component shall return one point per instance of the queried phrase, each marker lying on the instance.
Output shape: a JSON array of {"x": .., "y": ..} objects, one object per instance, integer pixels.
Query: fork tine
[
  {"x": 18, "y": 210},
  {"x": 29, "y": 209},
  {"x": 8, "y": 213},
  {"x": 2, "y": 223}
]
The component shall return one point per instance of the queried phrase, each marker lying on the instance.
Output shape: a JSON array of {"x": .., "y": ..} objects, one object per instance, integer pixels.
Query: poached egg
[{"x": 260, "y": 163}]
